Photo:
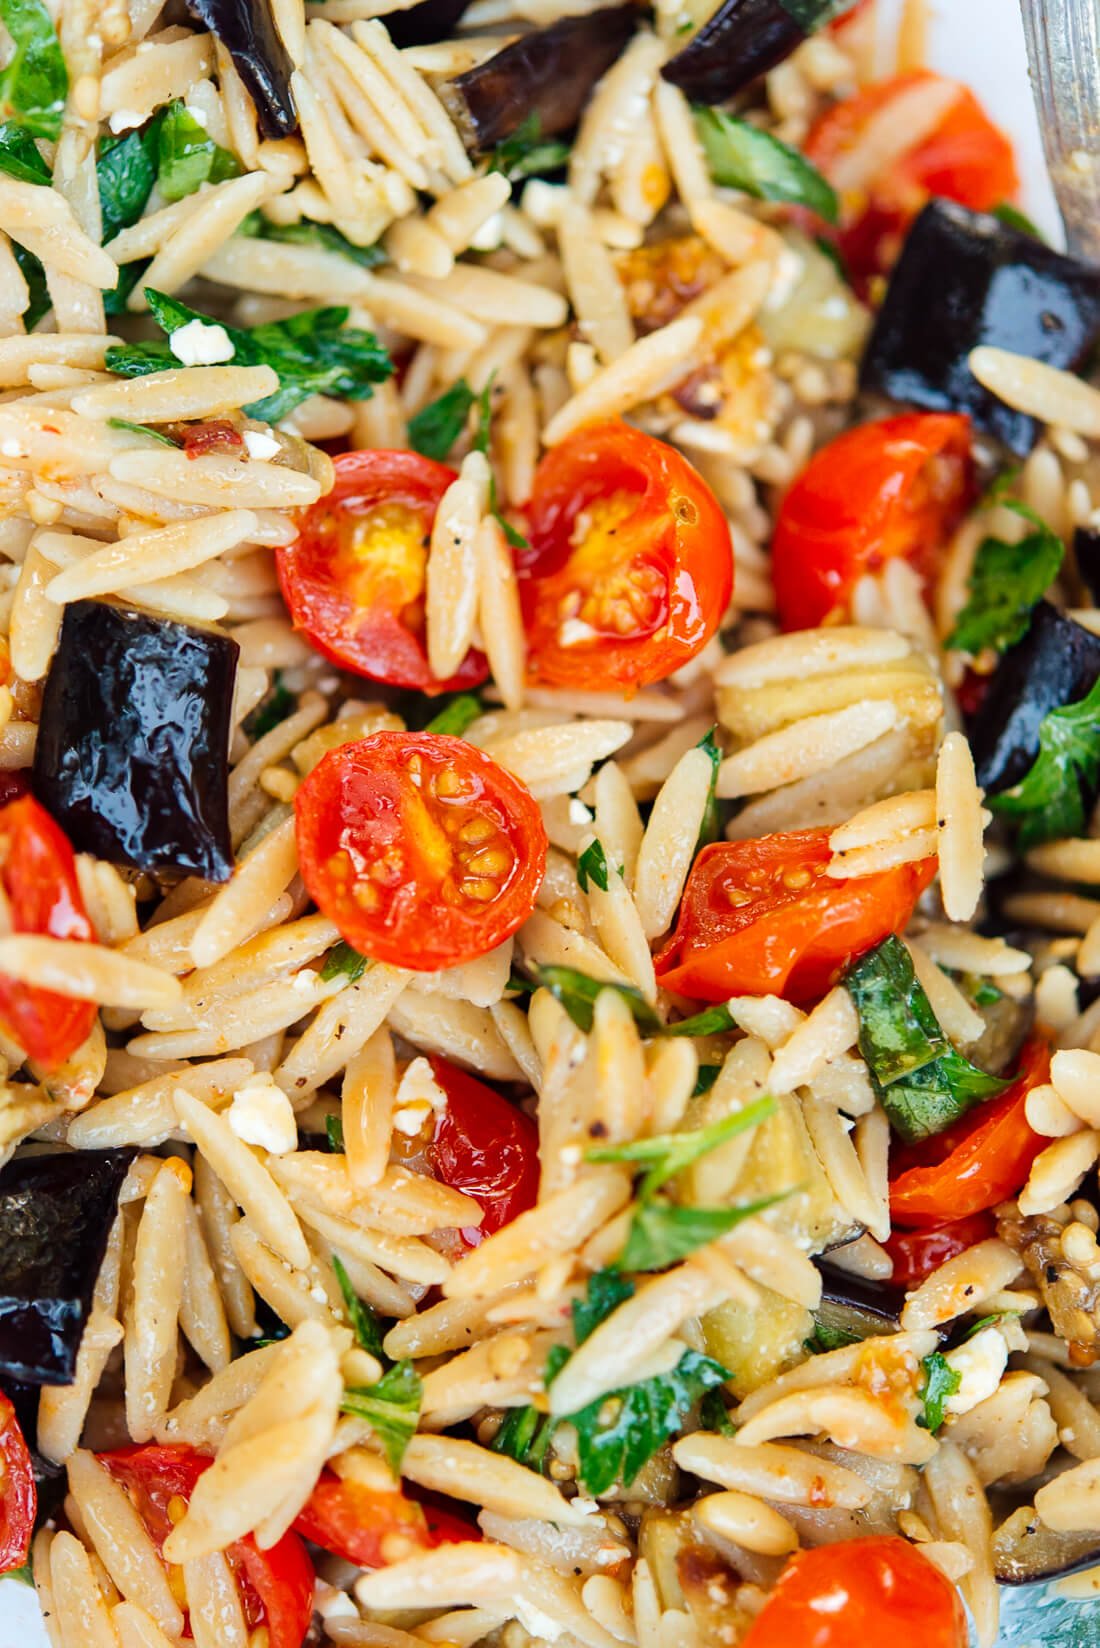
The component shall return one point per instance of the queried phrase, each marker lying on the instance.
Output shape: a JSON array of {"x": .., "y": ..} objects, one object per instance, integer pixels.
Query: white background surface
[{"x": 981, "y": 42}]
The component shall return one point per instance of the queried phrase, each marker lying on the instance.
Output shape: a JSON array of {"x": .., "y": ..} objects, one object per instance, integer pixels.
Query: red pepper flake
[{"x": 215, "y": 436}]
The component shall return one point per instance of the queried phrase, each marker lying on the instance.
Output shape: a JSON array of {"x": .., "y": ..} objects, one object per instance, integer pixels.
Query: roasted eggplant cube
[
  {"x": 247, "y": 30},
  {"x": 547, "y": 74},
  {"x": 132, "y": 755},
  {"x": 1055, "y": 663},
  {"x": 56, "y": 1213},
  {"x": 741, "y": 40},
  {"x": 424, "y": 24},
  {"x": 1086, "y": 558},
  {"x": 965, "y": 279}
]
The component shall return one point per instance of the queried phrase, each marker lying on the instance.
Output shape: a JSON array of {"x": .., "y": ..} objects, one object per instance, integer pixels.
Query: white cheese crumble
[
  {"x": 419, "y": 1095},
  {"x": 199, "y": 344},
  {"x": 124, "y": 120},
  {"x": 578, "y": 812},
  {"x": 12, "y": 449},
  {"x": 979, "y": 1362},
  {"x": 261, "y": 1114},
  {"x": 260, "y": 445}
]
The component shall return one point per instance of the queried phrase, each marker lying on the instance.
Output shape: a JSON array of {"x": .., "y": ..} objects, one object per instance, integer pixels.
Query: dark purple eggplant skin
[
  {"x": 133, "y": 754},
  {"x": 548, "y": 73},
  {"x": 964, "y": 279},
  {"x": 739, "y": 42},
  {"x": 424, "y": 24},
  {"x": 56, "y": 1213},
  {"x": 880, "y": 1302},
  {"x": 1055, "y": 663},
  {"x": 247, "y": 31},
  {"x": 1086, "y": 558}
]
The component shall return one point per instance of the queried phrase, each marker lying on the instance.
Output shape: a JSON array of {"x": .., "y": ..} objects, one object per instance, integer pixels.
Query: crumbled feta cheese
[
  {"x": 979, "y": 1362},
  {"x": 535, "y": 1622},
  {"x": 12, "y": 449},
  {"x": 587, "y": 1507},
  {"x": 419, "y": 1095},
  {"x": 124, "y": 120},
  {"x": 261, "y": 1114},
  {"x": 574, "y": 631},
  {"x": 260, "y": 445},
  {"x": 578, "y": 812},
  {"x": 304, "y": 980},
  {"x": 197, "y": 115},
  {"x": 199, "y": 344}
]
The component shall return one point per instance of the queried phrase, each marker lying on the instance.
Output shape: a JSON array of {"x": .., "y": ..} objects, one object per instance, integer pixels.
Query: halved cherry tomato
[
  {"x": 980, "y": 1161},
  {"x": 835, "y": 1596},
  {"x": 18, "y": 1496},
  {"x": 630, "y": 565},
  {"x": 884, "y": 489},
  {"x": 762, "y": 918},
  {"x": 276, "y": 1586},
  {"x": 354, "y": 576},
  {"x": 965, "y": 158},
  {"x": 38, "y": 875},
  {"x": 917, "y": 1253},
  {"x": 365, "y": 1525},
  {"x": 423, "y": 851}
]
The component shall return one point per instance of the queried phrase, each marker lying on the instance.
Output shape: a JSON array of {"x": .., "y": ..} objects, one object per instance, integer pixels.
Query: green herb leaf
[
  {"x": 334, "y": 1132},
  {"x": 525, "y": 155},
  {"x": 669, "y": 1153},
  {"x": 35, "y": 82},
  {"x": 1053, "y": 797},
  {"x": 39, "y": 302},
  {"x": 712, "y": 1021},
  {"x": 364, "y": 1322},
  {"x": 306, "y": 233},
  {"x": 606, "y": 1291},
  {"x": 187, "y": 157},
  {"x": 115, "y": 302},
  {"x": 343, "y": 962},
  {"x": 941, "y": 1381},
  {"x": 436, "y": 427},
  {"x": 391, "y": 1408},
  {"x": 707, "y": 1075},
  {"x": 520, "y": 1432},
  {"x": 312, "y": 353},
  {"x": 592, "y": 867},
  {"x": 743, "y": 156},
  {"x": 709, "y": 829},
  {"x": 662, "y": 1232},
  {"x": 456, "y": 716},
  {"x": 143, "y": 429},
  {"x": 1004, "y": 585},
  {"x": 827, "y": 1337},
  {"x": 275, "y": 708},
  {"x": 19, "y": 156},
  {"x": 714, "y": 1415},
  {"x": 931, "y": 1099},
  {"x": 619, "y": 1433},
  {"x": 1015, "y": 219},
  {"x": 577, "y": 993},
  {"x": 126, "y": 170},
  {"x": 482, "y": 434}
]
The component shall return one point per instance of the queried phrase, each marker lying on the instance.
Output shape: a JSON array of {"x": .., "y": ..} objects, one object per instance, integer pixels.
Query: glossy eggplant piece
[
  {"x": 424, "y": 24},
  {"x": 132, "y": 754},
  {"x": 855, "y": 1305},
  {"x": 1086, "y": 558},
  {"x": 548, "y": 74},
  {"x": 1027, "y": 1552},
  {"x": 740, "y": 41},
  {"x": 1055, "y": 663},
  {"x": 56, "y": 1213},
  {"x": 247, "y": 31},
  {"x": 965, "y": 279}
]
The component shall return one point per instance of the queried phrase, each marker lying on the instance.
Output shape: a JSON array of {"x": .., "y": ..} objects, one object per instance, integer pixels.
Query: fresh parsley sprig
[
  {"x": 1005, "y": 583},
  {"x": 35, "y": 82},
  {"x": 940, "y": 1383},
  {"x": 743, "y": 156},
  {"x": 391, "y": 1407},
  {"x": 1053, "y": 797},
  {"x": 577, "y": 993}
]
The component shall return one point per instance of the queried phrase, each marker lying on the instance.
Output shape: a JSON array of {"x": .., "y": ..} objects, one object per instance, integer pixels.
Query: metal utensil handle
[{"x": 1063, "y": 48}]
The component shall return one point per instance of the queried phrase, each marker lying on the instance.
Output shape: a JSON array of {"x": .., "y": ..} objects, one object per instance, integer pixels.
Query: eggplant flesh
[
  {"x": 547, "y": 74},
  {"x": 1027, "y": 1552},
  {"x": 963, "y": 279},
  {"x": 247, "y": 30},
  {"x": 133, "y": 753},
  {"x": 856, "y": 1305},
  {"x": 56, "y": 1213},
  {"x": 424, "y": 24},
  {"x": 742, "y": 40},
  {"x": 1055, "y": 663}
]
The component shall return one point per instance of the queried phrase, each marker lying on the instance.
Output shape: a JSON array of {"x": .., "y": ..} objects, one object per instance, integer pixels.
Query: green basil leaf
[
  {"x": 606, "y": 1291},
  {"x": 436, "y": 427},
  {"x": 364, "y": 1322},
  {"x": 334, "y": 1132},
  {"x": 941, "y": 1381},
  {"x": 39, "y": 302},
  {"x": 343, "y": 962},
  {"x": 143, "y": 429},
  {"x": 743, "y": 156},
  {"x": 662, "y": 1232},
  {"x": 666, "y": 1154},
  {"x": 709, "y": 830},
  {"x": 898, "y": 1031},
  {"x": 126, "y": 170},
  {"x": 307, "y": 233},
  {"x": 457, "y": 715},
  {"x": 714, "y": 1415},
  {"x": 932, "y": 1099},
  {"x": 524, "y": 154},
  {"x": 275, "y": 708},
  {"x": 826, "y": 1337},
  {"x": 19, "y": 156},
  {"x": 187, "y": 157},
  {"x": 705, "y": 1080},
  {"x": 577, "y": 993},
  {"x": 619, "y": 1433},
  {"x": 592, "y": 867},
  {"x": 391, "y": 1408},
  {"x": 35, "y": 82},
  {"x": 1005, "y": 583},
  {"x": 712, "y": 1021},
  {"x": 1053, "y": 797}
]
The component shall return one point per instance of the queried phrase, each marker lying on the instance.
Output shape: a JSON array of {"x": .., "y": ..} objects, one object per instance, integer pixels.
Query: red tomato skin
[
  {"x": 837, "y": 1596},
  {"x": 18, "y": 1495},
  {"x": 354, "y": 802},
  {"x": 38, "y": 873},
  {"x": 687, "y": 541},
  {"x": 278, "y": 1581},
  {"x": 376, "y": 643},
  {"x": 355, "y": 1522},
  {"x": 849, "y": 511},
  {"x": 486, "y": 1147},
  {"x": 799, "y": 943},
  {"x": 917, "y": 1253},
  {"x": 980, "y": 1161}
]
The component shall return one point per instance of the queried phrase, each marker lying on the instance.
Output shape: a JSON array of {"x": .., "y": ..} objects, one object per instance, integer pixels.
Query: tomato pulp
[
  {"x": 630, "y": 565},
  {"x": 763, "y": 918},
  {"x": 18, "y": 1496},
  {"x": 420, "y": 848},
  {"x": 354, "y": 578},
  {"x": 892, "y": 488}
]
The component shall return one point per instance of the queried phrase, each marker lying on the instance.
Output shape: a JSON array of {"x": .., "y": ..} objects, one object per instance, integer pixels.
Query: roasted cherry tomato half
[
  {"x": 18, "y": 1497},
  {"x": 423, "y": 851},
  {"x": 917, "y": 1253},
  {"x": 630, "y": 565},
  {"x": 964, "y": 157},
  {"x": 836, "y": 1596},
  {"x": 354, "y": 577},
  {"x": 38, "y": 875},
  {"x": 980, "y": 1161},
  {"x": 897, "y": 487},
  {"x": 762, "y": 918},
  {"x": 374, "y": 1528},
  {"x": 276, "y": 1586}
]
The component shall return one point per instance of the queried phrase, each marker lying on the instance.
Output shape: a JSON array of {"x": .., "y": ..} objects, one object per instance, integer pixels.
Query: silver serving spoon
[{"x": 1063, "y": 49}]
